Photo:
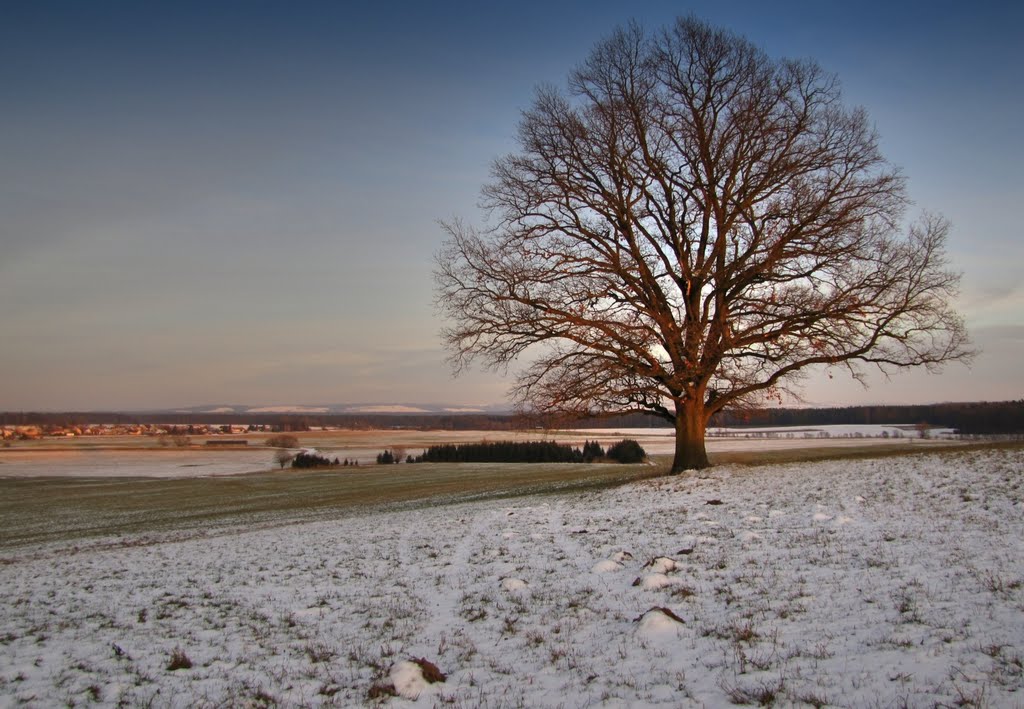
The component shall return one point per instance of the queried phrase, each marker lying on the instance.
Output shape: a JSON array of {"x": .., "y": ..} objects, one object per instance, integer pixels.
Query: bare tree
[
  {"x": 283, "y": 457},
  {"x": 283, "y": 440},
  {"x": 688, "y": 228}
]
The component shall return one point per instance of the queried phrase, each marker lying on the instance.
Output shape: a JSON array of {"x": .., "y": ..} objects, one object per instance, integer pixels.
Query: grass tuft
[
  {"x": 381, "y": 690},
  {"x": 179, "y": 661},
  {"x": 430, "y": 671}
]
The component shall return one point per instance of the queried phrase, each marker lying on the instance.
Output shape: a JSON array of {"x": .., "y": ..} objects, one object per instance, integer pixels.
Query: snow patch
[
  {"x": 687, "y": 544},
  {"x": 652, "y": 582},
  {"x": 659, "y": 621},
  {"x": 662, "y": 565},
  {"x": 407, "y": 677},
  {"x": 513, "y": 585}
]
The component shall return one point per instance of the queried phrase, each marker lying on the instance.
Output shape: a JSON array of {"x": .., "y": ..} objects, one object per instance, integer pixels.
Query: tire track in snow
[
  {"x": 574, "y": 554},
  {"x": 444, "y": 578}
]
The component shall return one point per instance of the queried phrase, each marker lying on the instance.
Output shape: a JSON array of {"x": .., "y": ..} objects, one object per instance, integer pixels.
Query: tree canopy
[{"x": 689, "y": 226}]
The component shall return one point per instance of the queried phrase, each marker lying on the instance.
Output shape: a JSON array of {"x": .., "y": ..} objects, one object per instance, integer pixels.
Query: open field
[
  {"x": 865, "y": 582},
  {"x": 77, "y": 509},
  {"x": 53, "y": 491},
  {"x": 143, "y": 456}
]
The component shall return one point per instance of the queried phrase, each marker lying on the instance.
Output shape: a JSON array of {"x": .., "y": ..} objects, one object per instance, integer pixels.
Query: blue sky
[{"x": 236, "y": 201}]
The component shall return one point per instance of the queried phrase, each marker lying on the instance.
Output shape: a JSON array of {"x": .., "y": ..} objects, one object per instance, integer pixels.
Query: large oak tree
[{"x": 689, "y": 227}]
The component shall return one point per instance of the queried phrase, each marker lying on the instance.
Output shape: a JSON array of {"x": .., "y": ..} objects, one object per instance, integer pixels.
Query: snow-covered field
[
  {"x": 152, "y": 463},
  {"x": 866, "y": 583}
]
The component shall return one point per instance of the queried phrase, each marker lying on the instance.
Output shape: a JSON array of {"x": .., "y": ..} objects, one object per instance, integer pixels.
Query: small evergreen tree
[
  {"x": 627, "y": 451},
  {"x": 592, "y": 451}
]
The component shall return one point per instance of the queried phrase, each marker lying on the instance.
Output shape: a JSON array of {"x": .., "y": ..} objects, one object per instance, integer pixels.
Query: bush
[
  {"x": 627, "y": 451},
  {"x": 283, "y": 441},
  {"x": 312, "y": 460}
]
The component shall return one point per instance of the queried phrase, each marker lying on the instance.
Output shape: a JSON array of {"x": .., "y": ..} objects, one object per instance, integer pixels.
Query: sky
[{"x": 237, "y": 202}]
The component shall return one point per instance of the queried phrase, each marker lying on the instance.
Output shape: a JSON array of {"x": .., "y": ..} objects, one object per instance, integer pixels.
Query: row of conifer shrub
[
  {"x": 625, "y": 451},
  {"x": 313, "y": 460}
]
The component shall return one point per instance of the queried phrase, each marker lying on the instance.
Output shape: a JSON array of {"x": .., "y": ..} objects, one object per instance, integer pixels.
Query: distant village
[{"x": 36, "y": 432}]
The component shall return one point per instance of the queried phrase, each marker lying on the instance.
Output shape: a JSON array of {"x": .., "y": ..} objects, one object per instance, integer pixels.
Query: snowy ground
[{"x": 865, "y": 583}]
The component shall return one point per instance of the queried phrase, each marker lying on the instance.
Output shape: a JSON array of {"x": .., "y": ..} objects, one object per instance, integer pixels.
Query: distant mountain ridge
[{"x": 359, "y": 408}]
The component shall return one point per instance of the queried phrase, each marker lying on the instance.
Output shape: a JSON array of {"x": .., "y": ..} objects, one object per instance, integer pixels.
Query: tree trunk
[{"x": 690, "y": 451}]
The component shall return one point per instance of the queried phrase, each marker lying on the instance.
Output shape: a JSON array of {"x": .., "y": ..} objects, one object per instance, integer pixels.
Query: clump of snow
[
  {"x": 513, "y": 584},
  {"x": 407, "y": 678},
  {"x": 662, "y": 565},
  {"x": 652, "y": 582},
  {"x": 659, "y": 621}
]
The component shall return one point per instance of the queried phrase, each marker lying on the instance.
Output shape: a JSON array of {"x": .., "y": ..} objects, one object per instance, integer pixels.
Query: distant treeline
[
  {"x": 273, "y": 422},
  {"x": 65, "y": 418},
  {"x": 970, "y": 418}
]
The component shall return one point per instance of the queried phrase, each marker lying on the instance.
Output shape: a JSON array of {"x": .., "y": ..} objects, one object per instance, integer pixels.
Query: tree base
[
  {"x": 678, "y": 468},
  {"x": 690, "y": 451}
]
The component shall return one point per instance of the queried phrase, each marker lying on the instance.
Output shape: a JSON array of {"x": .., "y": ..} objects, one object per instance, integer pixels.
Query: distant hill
[{"x": 362, "y": 408}]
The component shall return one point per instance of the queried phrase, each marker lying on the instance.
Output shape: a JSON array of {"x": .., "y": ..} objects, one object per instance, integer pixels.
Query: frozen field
[
  {"x": 866, "y": 583},
  {"x": 120, "y": 463},
  {"x": 135, "y": 456}
]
